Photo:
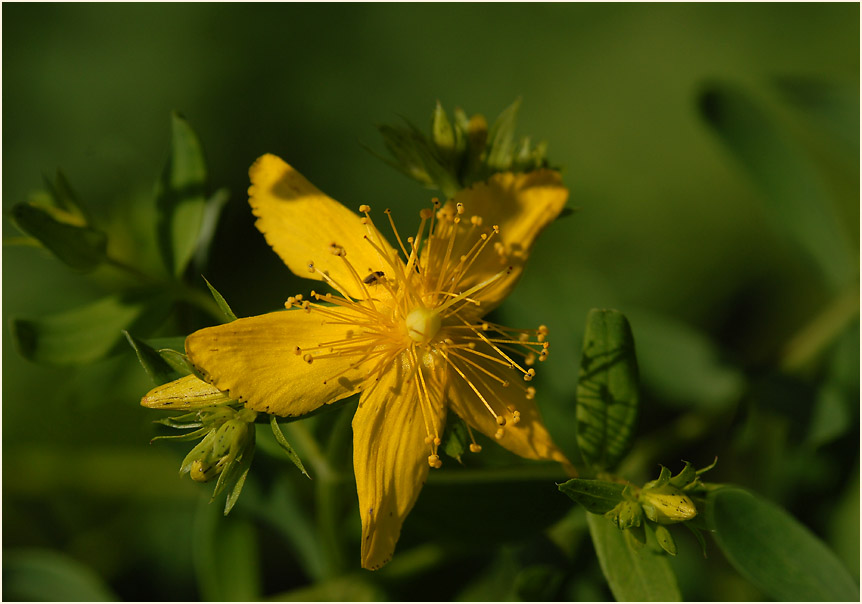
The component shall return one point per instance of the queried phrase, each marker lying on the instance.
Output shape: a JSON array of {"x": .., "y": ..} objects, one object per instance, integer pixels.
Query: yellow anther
[
  {"x": 337, "y": 250},
  {"x": 290, "y": 302},
  {"x": 425, "y": 213},
  {"x": 499, "y": 248},
  {"x": 474, "y": 448},
  {"x": 476, "y": 220},
  {"x": 523, "y": 337},
  {"x": 498, "y": 434},
  {"x": 435, "y": 202},
  {"x": 437, "y": 441},
  {"x": 516, "y": 417},
  {"x": 486, "y": 326},
  {"x": 365, "y": 208},
  {"x": 307, "y": 358},
  {"x": 434, "y": 461},
  {"x": 496, "y": 229},
  {"x": 429, "y": 439},
  {"x": 529, "y": 375},
  {"x": 364, "y": 220},
  {"x": 306, "y": 306},
  {"x": 299, "y": 297},
  {"x": 297, "y": 350},
  {"x": 501, "y": 421},
  {"x": 505, "y": 383},
  {"x": 531, "y": 393},
  {"x": 311, "y": 267},
  {"x": 459, "y": 207}
]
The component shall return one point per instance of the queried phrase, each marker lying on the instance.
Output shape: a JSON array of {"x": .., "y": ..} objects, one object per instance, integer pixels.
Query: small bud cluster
[
  {"x": 461, "y": 150},
  {"x": 666, "y": 500}
]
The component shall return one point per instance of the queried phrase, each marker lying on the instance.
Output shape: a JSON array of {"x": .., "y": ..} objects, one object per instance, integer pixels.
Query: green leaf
[
  {"x": 78, "y": 336},
  {"x": 79, "y": 247},
  {"x": 282, "y": 441},
  {"x": 774, "y": 551},
  {"x": 797, "y": 197},
  {"x": 633, "y": 575},
  {"x": 178, "y": 361},
  {"x": 607, "y": 398},
  {"x": 153, "y": 363},
  {"x": 180, "y": 197},
  {"x": 501, "y": 138},
  {"x": 49, "y": 576},
  {"x": 597, "y": 496},
  {"x": 222, "y": 303}
]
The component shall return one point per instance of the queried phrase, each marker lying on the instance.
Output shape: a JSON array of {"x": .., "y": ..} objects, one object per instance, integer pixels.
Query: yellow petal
[
  {"x": 390, "y": 459},
  {"x": 256, "y": 360},
  {"x": 189, "y": 392},
  {"x": 528, "y": 437},
  {"x": 521, "y": 205},
  {"x": 304, "y": 225}
]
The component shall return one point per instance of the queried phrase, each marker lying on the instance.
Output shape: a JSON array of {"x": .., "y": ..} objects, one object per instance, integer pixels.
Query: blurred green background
[{"x": 712, "y": 152}]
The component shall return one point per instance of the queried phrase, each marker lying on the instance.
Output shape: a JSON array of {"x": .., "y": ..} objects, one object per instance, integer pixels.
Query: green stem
[{"x": 327, "y": 481}]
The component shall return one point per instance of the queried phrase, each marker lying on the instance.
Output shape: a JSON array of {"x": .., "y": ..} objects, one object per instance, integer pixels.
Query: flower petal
[
  {"x": 528, "y": 437},
  {"x": 521, "y": 205},
  {"x": 302, "y": 225},
  {"x": 390, "y": 458},
  {"x": 256, "y": 360}
]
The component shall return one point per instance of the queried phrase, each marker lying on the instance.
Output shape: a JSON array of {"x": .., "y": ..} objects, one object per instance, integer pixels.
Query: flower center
[{"x": 423, "y": 324}]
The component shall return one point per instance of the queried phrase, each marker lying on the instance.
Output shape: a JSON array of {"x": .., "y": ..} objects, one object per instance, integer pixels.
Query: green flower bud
[
  {"x": 626, "y": 514},
  {"x": 667, "y": 505}
]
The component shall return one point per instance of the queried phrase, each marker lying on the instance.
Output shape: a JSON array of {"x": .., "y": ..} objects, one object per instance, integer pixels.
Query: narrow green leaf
[
  {"x": 66, "y": 198},
  {"x": 774, "y": 551},
  {"x": 222, "y": 303},
  {"x": 49, "y": 576},
  {"x": 153, "y": 363},
  {"x": 180, "y": 197},
  {"x": 633, "y": 575},
  {"x": 607, "y": 396},
  {"x": 79, "y": 247},
  {"x": 282, "y": 441},
  {"x": 442, "y": 133},
  {"x": 77, "y": 336},
  {"x": 212, "y": 212},
  {"x": 178, "y": 362},
  {"x": 797, "y": 197},
  {"x": 242, "y": 474},
  {"x": 664, "y": 538},
  {"x": 597, "y": 496},
  {"x": 501, "y": 138}
]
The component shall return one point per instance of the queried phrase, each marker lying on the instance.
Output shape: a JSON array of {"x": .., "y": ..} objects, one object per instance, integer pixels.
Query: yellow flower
[{"x": 405, "y": 330}]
